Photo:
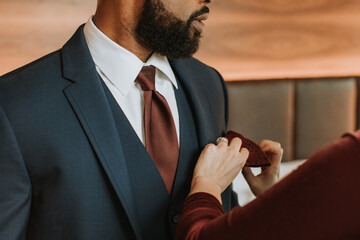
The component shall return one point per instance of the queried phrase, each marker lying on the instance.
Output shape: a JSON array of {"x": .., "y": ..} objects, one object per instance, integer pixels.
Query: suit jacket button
[{"x": 175, "y": 218}]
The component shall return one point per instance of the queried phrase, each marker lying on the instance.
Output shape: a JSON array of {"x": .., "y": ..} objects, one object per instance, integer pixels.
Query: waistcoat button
[{"x": 175, "y": 218}]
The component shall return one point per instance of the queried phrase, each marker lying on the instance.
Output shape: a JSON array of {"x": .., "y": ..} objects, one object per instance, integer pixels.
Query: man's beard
[{"x": 163, "y": 32}]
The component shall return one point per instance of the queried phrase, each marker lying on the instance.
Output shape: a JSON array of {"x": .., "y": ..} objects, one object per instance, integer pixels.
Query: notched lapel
[
  {"x": 88, "y": 100},
  {"x": 200, "y": 102}
]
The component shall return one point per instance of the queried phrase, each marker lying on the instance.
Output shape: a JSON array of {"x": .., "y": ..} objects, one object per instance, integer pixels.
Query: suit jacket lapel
[
  {"x": 87, "y": 97},
  {"x": 200, "y": 102}
]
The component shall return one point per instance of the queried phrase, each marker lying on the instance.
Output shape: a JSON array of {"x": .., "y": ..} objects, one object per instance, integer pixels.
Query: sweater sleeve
[
  {"x": 198, "y": 210},
  {"x": 319, "y": 200}
]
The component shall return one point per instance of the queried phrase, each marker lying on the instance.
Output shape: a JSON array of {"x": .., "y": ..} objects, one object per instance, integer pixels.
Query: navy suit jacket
[{"x": 62, "y": 169}]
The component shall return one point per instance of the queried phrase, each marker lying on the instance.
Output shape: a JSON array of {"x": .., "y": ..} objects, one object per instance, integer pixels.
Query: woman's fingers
[
  {"x": 248, "y": 174},
  {"x": 269, "y": 175},
  {"x": 244, "y": 152},
  {"x": 221, "y": 163},
  {"x": 269, "y": 146},
  {"x": 274, "y": 148},
  {"x": 236, "y": 144},
  {"x": 222, "y": 142}
]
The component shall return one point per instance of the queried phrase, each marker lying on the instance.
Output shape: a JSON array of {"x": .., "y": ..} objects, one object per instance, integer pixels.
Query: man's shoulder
[
  {"x": 193, "y": 62},
  {"x": 38, "y": 66},
  {"x": 41, "y": 76},
  {"x": 194, "y": 65},
  {"x": 33, "y": 75}
]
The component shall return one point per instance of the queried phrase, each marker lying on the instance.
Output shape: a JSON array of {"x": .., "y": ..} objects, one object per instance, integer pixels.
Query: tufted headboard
[{"x": 302, "y": 114}]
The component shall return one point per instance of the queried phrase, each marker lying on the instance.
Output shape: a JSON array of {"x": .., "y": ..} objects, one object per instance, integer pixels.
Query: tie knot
[{"x": 146, "y": 78}]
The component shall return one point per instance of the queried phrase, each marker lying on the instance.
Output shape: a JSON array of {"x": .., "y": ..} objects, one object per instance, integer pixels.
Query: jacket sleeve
[{"x": 15, "y": 186}]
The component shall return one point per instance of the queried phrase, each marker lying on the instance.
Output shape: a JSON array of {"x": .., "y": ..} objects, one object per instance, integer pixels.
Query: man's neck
[{"x": 122, "y": 31}]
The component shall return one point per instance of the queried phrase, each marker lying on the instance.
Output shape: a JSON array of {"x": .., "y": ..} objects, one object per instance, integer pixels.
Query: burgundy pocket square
[{"x": 257, "y": 158}]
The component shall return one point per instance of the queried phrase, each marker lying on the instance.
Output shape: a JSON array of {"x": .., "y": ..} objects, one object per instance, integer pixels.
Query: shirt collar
[
  {"x": 162, "y": 64},
  {"x": 120, "y": 66}
]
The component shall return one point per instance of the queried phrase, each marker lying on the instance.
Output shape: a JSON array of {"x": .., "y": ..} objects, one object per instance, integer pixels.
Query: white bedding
[{"x": 242, "y": 189}]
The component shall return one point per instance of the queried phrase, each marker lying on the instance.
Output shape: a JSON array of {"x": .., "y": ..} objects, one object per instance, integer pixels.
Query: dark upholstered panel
[
  {"x": 325, "y": 109},
  {"x": 303, "y": 115},
  {"x": 263, "y": 110},
  {"x": 358, "y": 104}
]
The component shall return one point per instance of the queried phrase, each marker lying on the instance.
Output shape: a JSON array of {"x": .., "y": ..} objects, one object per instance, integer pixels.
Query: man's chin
[{"x": 184, "y": 46}]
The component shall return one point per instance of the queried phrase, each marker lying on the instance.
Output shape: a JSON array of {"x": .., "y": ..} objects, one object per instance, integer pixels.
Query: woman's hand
[
  {"x": 269, "y": 175},
  {"x": 217, "y": 167}
]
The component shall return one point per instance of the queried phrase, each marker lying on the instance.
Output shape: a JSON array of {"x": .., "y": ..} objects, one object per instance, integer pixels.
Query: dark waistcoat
[{"x": 158, "y": 211}]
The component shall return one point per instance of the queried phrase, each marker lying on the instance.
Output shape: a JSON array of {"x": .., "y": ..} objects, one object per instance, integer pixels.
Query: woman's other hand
[
  {"x": 217, "y": 166},
  {"x": 269, "y": 175}
]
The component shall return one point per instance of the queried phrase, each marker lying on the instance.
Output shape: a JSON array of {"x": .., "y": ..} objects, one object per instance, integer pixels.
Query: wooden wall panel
[
  {"x": 30, "y": 29},
  {"x": 244, "y": 39},
  {"x": 262, "y": 39}
]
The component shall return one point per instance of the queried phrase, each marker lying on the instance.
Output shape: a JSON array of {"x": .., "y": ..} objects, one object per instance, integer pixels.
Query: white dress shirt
[{"x": 119, "y": 68}]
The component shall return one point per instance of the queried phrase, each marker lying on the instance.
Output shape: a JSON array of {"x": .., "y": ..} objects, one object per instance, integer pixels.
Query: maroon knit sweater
[{"x": 319, "y": 200}]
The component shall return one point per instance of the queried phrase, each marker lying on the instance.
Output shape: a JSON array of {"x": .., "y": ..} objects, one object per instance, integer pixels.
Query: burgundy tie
[{"x": 160, "y": 133}]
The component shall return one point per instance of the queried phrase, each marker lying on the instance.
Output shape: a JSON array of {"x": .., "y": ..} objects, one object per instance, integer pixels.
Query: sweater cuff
[{"x": 204, "y": 200}]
